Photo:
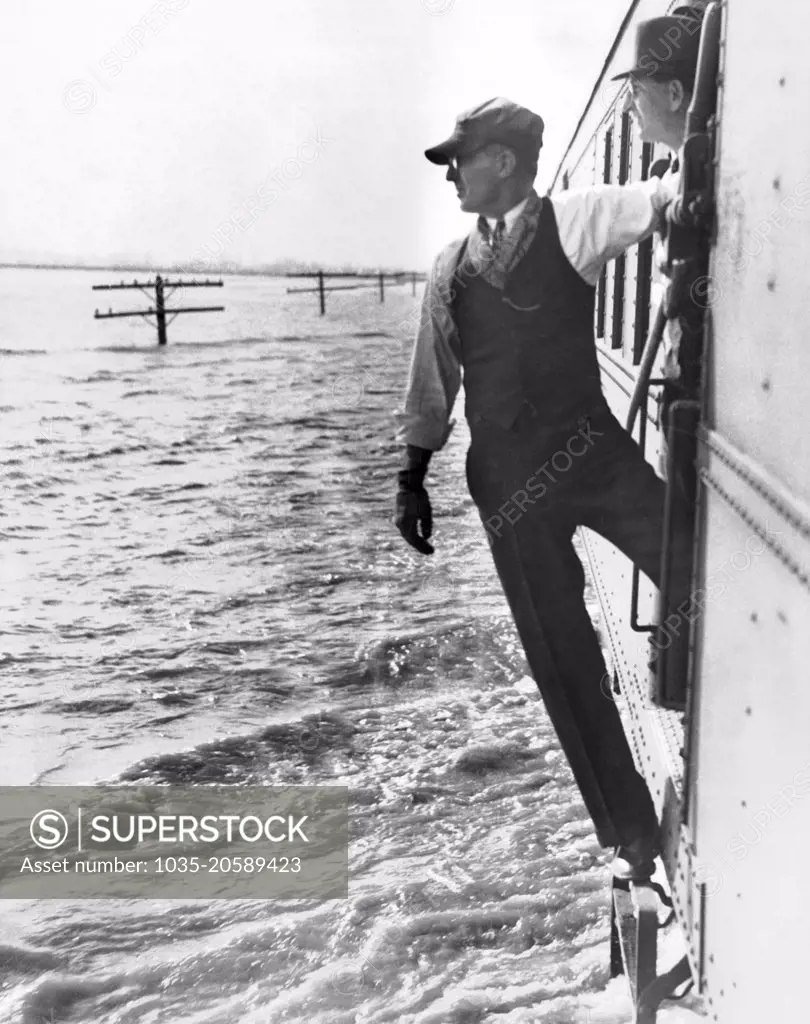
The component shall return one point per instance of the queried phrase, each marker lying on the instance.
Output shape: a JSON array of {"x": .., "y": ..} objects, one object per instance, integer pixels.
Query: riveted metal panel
[
  {"x": 759, "y": 290},
  {"x": 750, "y": 804}
]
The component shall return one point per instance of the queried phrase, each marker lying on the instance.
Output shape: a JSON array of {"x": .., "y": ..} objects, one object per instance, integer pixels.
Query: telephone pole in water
[{"x": 160, "y": 310}]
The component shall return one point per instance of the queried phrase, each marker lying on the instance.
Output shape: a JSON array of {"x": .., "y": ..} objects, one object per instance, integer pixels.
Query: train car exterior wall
[{"x": 736, "y": 809}]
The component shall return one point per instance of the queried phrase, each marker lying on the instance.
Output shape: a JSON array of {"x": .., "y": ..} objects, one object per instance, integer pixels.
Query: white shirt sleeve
[{"x": 597, "y": 224}]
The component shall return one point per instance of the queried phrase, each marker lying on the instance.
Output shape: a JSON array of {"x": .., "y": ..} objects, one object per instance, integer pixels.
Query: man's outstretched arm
[{"x": 598, "y": 224}]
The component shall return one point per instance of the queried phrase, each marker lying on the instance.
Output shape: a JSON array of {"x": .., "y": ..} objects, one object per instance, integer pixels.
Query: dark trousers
[{"x": 533, "y": 487}]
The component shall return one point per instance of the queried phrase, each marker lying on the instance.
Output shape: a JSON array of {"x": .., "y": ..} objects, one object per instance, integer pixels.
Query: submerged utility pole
[
  {"x": 160, "y": 309},
  {"x": 362, "y": 281}
]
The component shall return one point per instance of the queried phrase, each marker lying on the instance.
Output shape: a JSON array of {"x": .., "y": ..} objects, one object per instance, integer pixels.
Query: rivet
[
  {"x": 771, "y": 284},
  {"x": 781, "y": 81},
  {"x": 781, "y": 616},
  {"x": 766, "y": 385},
  {"x": 754, "y": 617},
  {"x": 777, "y": 184},
  {"x": 744, "y": 803}
]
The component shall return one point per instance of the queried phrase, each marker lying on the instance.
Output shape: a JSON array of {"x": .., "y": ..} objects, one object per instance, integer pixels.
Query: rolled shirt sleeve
[
  {"x": 435, "y": 372},
  {"x": 597, "y": 224}
]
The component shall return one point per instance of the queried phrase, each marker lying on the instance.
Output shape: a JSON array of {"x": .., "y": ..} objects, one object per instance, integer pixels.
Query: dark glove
[{"x": 412, "y": 503}]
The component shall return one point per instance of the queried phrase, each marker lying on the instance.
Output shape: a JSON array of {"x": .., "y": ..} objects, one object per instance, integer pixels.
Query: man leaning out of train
[{"x": 510, "y": 308}]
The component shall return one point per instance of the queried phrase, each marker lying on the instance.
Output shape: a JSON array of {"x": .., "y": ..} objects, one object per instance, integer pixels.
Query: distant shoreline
[{"x": 270, "y": 270}]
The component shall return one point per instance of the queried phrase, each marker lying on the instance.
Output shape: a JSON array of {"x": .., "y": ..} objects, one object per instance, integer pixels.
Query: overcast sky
[{"x": 255, "y": 130}]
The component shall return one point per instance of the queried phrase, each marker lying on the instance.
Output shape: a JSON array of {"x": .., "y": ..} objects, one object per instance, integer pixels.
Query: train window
[
  {"x": 620, "y": 271},
  {"x": 601, "y": 287},
  {"x": 607, "y": 172},
  {"x": 601, "y": 290},
  {"x": 618, "y": 302},
  {"x": 624, "y": 150},
  {"x": 646, "y": 159},
  {"x": 643, "y": 273}
]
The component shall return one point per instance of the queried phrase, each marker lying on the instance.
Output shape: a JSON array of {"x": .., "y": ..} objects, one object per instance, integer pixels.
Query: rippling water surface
[{"x": 202, "y": 584}]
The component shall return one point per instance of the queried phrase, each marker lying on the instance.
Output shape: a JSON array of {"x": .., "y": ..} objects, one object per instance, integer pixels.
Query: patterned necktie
[
  {"x": 497, "y": 238},
  {"x": 493, "y": 239}
]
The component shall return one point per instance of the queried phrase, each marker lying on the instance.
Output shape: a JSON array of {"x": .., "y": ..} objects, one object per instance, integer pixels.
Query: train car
[{"x": 716, "y": 697}]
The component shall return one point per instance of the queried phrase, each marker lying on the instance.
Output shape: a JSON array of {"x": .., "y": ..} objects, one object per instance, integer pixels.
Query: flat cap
[{"x": 496, "y": 120}]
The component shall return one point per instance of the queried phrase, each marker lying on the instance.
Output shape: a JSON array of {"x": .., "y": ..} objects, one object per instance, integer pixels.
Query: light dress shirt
[{"x": 509, "y": 217}]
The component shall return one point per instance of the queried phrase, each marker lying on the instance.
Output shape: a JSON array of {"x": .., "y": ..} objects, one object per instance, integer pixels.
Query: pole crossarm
[
  {"x": 334, "y": 288},
  {"x": 329, "y": 273},
  {"x": 152, "y": 284},
  {"x": 154, "y": 312},
  {"x": 193, "y": 284},
  {"x": 194, "y": 309}
]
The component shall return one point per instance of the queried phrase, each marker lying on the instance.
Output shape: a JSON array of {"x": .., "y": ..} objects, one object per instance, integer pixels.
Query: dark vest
[{"x": 529, "y": 348}]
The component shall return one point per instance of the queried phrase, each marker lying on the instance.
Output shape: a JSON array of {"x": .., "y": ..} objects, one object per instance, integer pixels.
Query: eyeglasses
[{"x": 456, "y": 162}]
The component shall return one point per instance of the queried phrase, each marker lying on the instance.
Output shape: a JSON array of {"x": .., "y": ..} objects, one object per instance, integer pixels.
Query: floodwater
[{"x": 202, "y": 584}]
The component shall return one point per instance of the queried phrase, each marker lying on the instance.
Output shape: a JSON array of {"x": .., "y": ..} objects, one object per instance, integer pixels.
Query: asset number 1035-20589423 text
[{"x": 226, "y": 865}]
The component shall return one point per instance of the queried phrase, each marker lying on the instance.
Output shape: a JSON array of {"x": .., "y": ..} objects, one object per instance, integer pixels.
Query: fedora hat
[{"x": 667, "y": 48}]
